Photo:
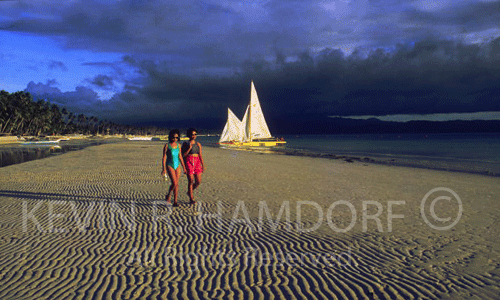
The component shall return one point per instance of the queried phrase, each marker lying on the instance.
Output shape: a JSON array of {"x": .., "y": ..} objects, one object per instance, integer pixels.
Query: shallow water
[
  {"x": 17, "y": 153},
  {"x": 469, "y": 152},
  {"x": 472, "y": 152}
]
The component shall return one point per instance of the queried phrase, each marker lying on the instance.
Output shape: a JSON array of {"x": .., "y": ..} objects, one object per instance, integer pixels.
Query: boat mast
[{"x": 250, "y": 113}]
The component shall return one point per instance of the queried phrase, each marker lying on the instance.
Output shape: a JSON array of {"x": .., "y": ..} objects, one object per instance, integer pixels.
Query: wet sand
[{"x": 92, "y": 224}]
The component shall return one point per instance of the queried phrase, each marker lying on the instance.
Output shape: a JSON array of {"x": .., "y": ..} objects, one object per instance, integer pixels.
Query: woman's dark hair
[
  {"x": 172, "y": 133},
  {"x": 190, "y": 131}
]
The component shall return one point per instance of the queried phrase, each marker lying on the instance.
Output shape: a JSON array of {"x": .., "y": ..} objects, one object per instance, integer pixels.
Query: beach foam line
[
  {"x": 109, "y": 236},
  {"x": 450, "y": 164}
]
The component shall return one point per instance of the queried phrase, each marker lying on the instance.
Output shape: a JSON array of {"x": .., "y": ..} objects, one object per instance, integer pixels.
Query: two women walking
[{"x": 189, "y": 156}]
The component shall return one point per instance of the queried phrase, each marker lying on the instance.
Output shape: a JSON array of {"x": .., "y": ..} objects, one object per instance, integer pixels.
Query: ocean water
[
  {"x": 471, "y": 152},
  {"x": 463, "y": 152},
  {"x": 17, "y": 153}
]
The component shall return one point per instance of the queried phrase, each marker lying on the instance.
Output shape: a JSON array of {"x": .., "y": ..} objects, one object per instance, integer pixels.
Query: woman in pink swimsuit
[{"x": 191, "y": 151}]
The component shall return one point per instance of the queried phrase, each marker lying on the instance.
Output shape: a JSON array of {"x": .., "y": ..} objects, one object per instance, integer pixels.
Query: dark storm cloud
[
  {"x": 129, "y": 106},
  {"x": 406, "y": 60},
  {"x": 102, "y": 81},
  {"x": 199, "y": 30},
  {"x": 433, "y": 76},
  {"x": 471, "y": 16},
  {"x": 219, "y": 33},
  {"x": 82, "y": 100},
  {"x": 130, "y": 26},
  {"x": 57, "y": 65}
]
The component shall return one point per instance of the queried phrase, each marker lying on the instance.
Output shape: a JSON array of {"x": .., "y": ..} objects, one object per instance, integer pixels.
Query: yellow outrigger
[{"x": 256, "y": 143}]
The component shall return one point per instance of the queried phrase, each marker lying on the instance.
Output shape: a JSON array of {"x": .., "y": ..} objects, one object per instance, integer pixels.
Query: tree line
[{"x": 22, "y": 116}]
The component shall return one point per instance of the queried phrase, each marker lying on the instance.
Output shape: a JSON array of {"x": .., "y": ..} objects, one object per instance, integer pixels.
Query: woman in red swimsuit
[{"x": 191, "y": 151}]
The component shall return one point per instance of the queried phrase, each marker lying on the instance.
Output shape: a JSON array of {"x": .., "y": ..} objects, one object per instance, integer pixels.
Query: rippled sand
[{"x": 91, "y": 224}]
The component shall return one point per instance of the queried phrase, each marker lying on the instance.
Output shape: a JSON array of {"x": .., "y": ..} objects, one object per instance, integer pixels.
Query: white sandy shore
[{"x": 88, "y": 224}]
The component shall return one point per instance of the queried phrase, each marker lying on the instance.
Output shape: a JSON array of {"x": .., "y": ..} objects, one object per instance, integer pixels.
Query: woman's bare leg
[
  {"x": 170, "y": 188},
  {"x": 197, "y": 181},
  {"x": 174, "y": 185},
  {"x": 176, "y": 188},
  {"x": 190, "y": 186}
]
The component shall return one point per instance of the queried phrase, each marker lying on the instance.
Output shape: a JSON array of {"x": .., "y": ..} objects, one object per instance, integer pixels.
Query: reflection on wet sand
[{"x": 17, "y": 154}]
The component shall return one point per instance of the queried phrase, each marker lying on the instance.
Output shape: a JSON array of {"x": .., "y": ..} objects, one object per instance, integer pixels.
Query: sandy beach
[{"x": 93, "y": 224}]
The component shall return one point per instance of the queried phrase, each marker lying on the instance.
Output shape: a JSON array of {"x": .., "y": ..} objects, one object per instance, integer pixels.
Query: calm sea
[
  {"x": 465, "y": 152},
  {"x": 469, "y": 152},
  {"x": 11, "y": 154}
]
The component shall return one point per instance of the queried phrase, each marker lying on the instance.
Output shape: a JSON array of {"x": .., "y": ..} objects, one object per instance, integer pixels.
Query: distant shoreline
[{"x": 440, "y": 164}]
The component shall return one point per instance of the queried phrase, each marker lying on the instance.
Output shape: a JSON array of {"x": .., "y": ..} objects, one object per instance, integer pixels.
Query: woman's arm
[
  {"x": 201, "y": 159},
  {"x": 164, "y": 160},
  {"x": 182, "y": 162},
  {"x": 186, "y": 146}
]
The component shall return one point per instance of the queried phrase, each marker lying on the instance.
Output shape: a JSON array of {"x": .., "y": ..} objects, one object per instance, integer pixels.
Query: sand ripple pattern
[{"x": 101, "y": 230}]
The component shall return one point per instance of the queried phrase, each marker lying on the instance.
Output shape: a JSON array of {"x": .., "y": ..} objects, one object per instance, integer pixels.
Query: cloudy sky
[{"x": 138, "y": 61}]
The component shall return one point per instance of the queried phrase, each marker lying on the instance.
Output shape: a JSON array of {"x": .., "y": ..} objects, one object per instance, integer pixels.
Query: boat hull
[
  {"x": 139, "y": 138},
  {"x": 255, "y": 144},
  {"x": 41, "y": 142}
]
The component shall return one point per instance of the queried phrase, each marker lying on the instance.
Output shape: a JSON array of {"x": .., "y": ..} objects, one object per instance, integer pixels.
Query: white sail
[
  {"x": 233, "y": 130},
  {"x": 252, "y": 127},
  {"x": 244, "y": 125},
  {"x": 255, "y": 125}
]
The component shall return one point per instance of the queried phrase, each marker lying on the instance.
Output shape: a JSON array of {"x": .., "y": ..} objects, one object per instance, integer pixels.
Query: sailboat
[{"x": 252, "y": 130}]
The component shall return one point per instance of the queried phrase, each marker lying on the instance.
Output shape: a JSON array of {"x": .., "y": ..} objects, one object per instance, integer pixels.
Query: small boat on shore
[
  {"x": 42, "y": 142},
  {"x": 252, "y": 131},
  {"x": 140, "y": 138}
]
